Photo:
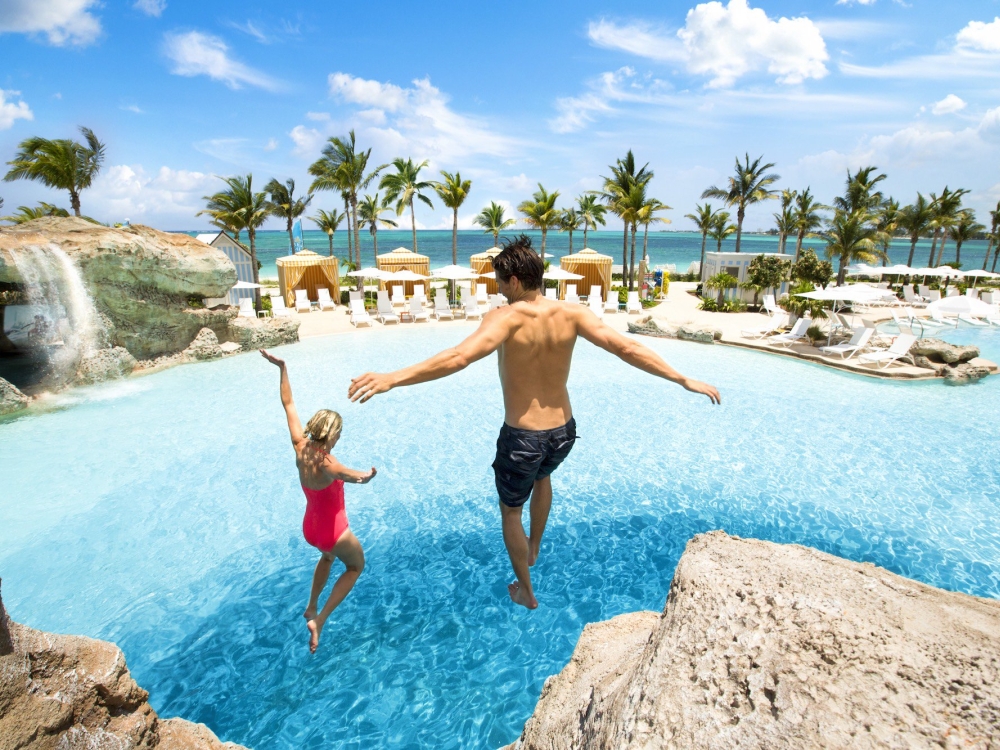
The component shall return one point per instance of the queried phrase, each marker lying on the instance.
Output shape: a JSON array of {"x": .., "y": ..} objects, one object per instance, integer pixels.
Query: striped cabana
[
  {"x": 594, "y": 267},
  {"x": 310, "y": 271},
  {"x": 483, "y": 263},
  {"x": 402, "y": 259}
]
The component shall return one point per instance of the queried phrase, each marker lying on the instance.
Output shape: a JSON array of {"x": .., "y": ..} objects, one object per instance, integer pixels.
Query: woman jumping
[{"x": 325, "y": 523}]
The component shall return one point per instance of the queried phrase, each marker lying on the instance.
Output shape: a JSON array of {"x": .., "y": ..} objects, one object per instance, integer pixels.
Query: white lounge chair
[
  {"x": 398, "y": 297},
  {"x": 571, "y": 295},
  {"x": 359, "y": 314},
  {"x": 611, "y": 304},
  {"x": 278, "y": 309},
  {"x": 940, "y": 319},
  {"x": 595, "y": 291},
  {"x": 246, "y": 308},
  {"x": 495, "y": 301},
  {"x": 972, "y": 320},
  {"x": 442, "y": 308},
  {"x": 933, "y": 295},
  {"x": 325, "y": 301},
  {"x": 884, "y": 357},
  {"x": 924, "y": 291},
  {"x": 990, "y": 298},
  {"x": 797, "y": 333},
  {"x": 769, "y": 305},
  {"x": 594, "y": 303},
  {"x": 859, "y": 340},
  {"x": 356, "y": 294},
  {"x": 911, "y": 298},
  {"x": 384, "y": 308},
  {"x": 472, "y": 307},
  {"x": 551, "y": 293},
  {"x": 418, "y": 292},
  {"x": 952, "y": 291},
  {"x": 972, "y": 293},
  {"x": 416, "y": 309},
  {"x": 481, "y": 294},
  {"x": 632, "y": 304},
  {"x": 773, "y": 324},
  {"x": 302, "y": 301}
]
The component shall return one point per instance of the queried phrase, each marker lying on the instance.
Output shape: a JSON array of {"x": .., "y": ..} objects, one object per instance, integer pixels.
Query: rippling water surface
[{"x": 163, "y": 513}]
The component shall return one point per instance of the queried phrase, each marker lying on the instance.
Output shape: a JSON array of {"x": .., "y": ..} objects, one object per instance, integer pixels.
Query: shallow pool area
[{"x": 163, "y": 513}]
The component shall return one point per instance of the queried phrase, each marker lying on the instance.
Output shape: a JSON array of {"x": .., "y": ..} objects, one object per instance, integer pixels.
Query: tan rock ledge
[{"x": 766, "y": 645}]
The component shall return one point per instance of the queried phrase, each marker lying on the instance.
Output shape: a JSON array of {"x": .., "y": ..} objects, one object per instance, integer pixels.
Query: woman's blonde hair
[{"x": 324, "y": 425}]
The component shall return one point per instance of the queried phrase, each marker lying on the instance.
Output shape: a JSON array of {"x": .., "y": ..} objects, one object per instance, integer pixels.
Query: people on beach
[
  {"x": 324, "y": 525},
  {"x": 534, "y": 338}
]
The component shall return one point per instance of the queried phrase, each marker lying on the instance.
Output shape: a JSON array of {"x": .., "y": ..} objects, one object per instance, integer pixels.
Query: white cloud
[
  {"x": 132, "y": 108},
  {"x": 948, "y": 105},
  {"x": 981, "y": 36},
  {"x": 726, "y": 43},
  {"x": 153, "y": 8},
  {"x": 271, "y": 145},
  {"x": 318, "y": 116},
  {"x": 128, "y": 192},
  {"x": 62, "y": 21},
  {"x": 622, "y": 85},
  {"x": 251, "y": 29},
  {"x": 851, "y": 29},
  {"x": 369, "y": 93},
  {"x": 308, "y": 141},
  {"x": 195, "y": 53},
  {"x": 11, "y": 111},
  {"x": 859, "y": 2},
  {"x": 518, "y": 184}
]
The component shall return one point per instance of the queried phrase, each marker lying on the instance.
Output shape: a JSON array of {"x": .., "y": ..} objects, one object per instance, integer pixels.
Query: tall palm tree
[
  {"x": 541, "y": 212},
  {"x": 785, "y": 219},
  {"x": 285, "y": 205},
  {"x": 994, "y": 237},
  {"x": 860, "y": 193},
  {"x": 704, "y": 220},
  {"x": 617, "y": 187},
  {"x": 29, "y": 213},
  {"x": 249, "y": 210},
  {"x": 629, "y": 208},
  {"x": 916, "y": 219},
  {"x": 453, "y": 192},
  {"x": 591, "y": 213},
  {"x": 647, "y": 215},
  {"x": 721, "y": 228},
  {"x": 62, "y": 164},
  {"x": 492, "y": 220},
  {"x": 852, "y": 237},
  {"x": 328, "y": 221},
  {"x": 350, "y": 224},
  {"x": 807, "y": 218},
  {"x": 947, "y": 210},
  {"x": 965, "y": 228},
  {"x": 570, "y": 222},
  {"x": 748, "y": 186},
  {"x": 887, "y": 222},
  {"x": 404, "y": 186},
  {"x": 370, "y": 211},
  {"x": 342, "y": 167}
]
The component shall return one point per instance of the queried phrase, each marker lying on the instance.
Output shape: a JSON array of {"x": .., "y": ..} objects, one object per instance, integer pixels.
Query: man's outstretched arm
[
  {"x": 637, "y": 355},
  {"x": 492, "y": 332}
]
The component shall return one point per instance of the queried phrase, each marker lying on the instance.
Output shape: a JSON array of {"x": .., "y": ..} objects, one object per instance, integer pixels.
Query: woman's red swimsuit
[{"x": 325, "y": 520}]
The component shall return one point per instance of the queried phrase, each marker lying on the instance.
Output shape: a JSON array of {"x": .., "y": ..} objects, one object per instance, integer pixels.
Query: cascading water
[{"x": 60, "y": 324}]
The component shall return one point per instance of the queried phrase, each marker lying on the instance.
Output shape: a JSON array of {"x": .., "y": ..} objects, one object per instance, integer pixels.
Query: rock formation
[
  {"x": 63, "y": 691},
  {"x": 105, "y": 364},
  {"x": 255, "y": 333},
  {"x": 647, "y": 326},
  {"x": 11, "y": 399},
  {"x": 937, "y": 350},
  {"x": 764, "y": 645}
]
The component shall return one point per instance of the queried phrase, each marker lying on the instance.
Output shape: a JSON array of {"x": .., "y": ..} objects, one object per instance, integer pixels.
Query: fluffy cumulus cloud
[
  {"x": 605, "y": 91},
  {"x": 171, "y": 196},
  {"x": 726, "y": 43},
  {"x": 153, "y": 8},
  {"x": 308, "y": 141},
  {"x": 61, "y": 21},
  {"x": 11, "y": 110},
  {"x": 195, "y": 53},
  {"x": 948, "y": 105},
  {"x": 977, "y": 35}
]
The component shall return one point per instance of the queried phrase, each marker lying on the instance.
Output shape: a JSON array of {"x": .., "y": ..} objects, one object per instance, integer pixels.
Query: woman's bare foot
[
  {"x": 520, "y": 596},
  {"x": 315, "y": 630},
  {"x": 310, "y": 613}
]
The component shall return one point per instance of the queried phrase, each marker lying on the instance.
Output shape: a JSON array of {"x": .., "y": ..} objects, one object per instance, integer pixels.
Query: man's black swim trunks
[{"x": 524, "y": 456}]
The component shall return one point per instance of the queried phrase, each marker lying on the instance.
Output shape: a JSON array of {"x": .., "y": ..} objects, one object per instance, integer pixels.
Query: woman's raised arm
[{"x": 294, "y": 425}]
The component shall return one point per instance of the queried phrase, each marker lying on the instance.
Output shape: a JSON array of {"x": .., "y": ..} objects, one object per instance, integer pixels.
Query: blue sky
[{"x": 510, "y": 94}]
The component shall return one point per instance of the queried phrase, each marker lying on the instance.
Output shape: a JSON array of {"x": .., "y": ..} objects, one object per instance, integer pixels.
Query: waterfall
[{"x": 65, "y": 322}]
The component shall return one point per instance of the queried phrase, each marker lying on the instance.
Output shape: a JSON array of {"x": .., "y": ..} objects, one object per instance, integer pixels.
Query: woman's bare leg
[
  {"x": 349, "y": 550},
  {"x": 320, "y": 576}
]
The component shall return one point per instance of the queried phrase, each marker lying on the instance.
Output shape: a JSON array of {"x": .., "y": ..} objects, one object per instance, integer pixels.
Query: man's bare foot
[
  {"x": 315, "y": 629},
  {"x": 310, "y": 613},
  {"x": 520, "y": 596}
]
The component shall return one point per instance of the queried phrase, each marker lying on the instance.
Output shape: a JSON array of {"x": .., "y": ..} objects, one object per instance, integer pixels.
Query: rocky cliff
[
  {"x": 60, "y": 692},
  {"x": 763, "y": 645}
]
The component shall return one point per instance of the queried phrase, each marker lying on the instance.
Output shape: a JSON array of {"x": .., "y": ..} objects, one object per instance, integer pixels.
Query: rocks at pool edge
[
  {"x": 765, "y": 645},
  {"x": 64, "y": 691},
  {"x": 940, "y": 351},
  {"x": 11, "y": 399}
]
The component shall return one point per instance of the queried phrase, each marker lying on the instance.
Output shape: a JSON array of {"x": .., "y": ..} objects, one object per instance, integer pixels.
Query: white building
[
  {"x": 240, "y": 257},
  {"x": 736, "y": 265}
]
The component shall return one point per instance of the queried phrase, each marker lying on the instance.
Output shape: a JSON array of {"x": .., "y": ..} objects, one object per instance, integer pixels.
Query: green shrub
[
  {"x": 265, "y": 302},
  {"x": 815, "y": 333},
  {"x": 708, "y": 304},
  {"x": 345, "y": 296},
  {"x": 733, "y": 305},
  {"x": 195, "y": 302}
]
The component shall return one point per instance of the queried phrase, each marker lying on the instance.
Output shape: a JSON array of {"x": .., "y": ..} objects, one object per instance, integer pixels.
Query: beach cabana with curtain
[
  {"x": 483, "y": 263},
  {"x": 404, "y": 259},
  {"x": 594, "y": 267},
  {"x": 310, "y": 271}
]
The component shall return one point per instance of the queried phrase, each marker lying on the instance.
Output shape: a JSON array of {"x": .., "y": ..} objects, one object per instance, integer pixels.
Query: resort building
[
  {"x": 240, "y": 257},
  {"x": 736, "y": 265}
]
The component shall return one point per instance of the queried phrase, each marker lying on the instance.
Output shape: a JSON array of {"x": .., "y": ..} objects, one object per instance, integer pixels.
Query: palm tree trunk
[
  {"x": 624, "y": 250},
  {"x": 256, "y": 271},
  {"x": 739, "y": 226},
  {"x": 958, "y": 253},
  {"x": 913, "y": 249},
  {"x": 413, "y": 224},
  {"x": 645, "y": 242},
  {"x": 330, "y": 237},
  {"x": 940, "y": 255},
  {"x": 571, "y": 241},
  {"x": 584, "y": 236},
  {"x": 350, "y": 239},
  {"x": 74, "y": 201},
  {"x": 934, "y": 239},
  {"x": 496, "y": 238},
  {"x": 986, "y": 259},
  {"x": 545, "y": 231},
  {"x": 701, "y": 263},
  {"x": 842, "y": 272},
  {"x": 996, "y": 254},
  {"x": 291, "y": 239},
  {"x": 357, "y": 232},
  {"x": 454, "y": 239},
  {"x": 375, "y": 242},
  {"x": 631, "y": 265},
  {"x": 798, "y": 246}
]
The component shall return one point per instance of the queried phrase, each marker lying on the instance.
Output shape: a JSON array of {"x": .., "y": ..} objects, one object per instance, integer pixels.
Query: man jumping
[{"x": 534, "y": 338}]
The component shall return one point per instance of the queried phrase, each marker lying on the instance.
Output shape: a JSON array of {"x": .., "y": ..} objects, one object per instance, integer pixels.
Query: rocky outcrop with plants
[{"x": 764, "y": 645}]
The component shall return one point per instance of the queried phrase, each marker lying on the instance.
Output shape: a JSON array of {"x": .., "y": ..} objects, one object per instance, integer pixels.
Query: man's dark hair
[{"x": 519, "y": 258}]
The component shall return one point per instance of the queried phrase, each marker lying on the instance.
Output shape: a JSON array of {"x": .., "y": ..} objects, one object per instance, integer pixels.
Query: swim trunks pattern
[{"x": 524, "y": 456}]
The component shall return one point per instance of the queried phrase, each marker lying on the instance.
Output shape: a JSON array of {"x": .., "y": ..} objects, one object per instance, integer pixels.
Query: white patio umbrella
[
  {"x": 559, "y": 274},
  {"x": 980, "y": 274},
  {"x": 942, "y": 271},
  {"x": 245, "y": 285},
  {"x": 454, "y": 273},
  {"x": 898, "y": 270},
  {"x": 961, "y": 306},
  {"x": 404, "y": 275},
  {"x": 490, "y": 275},
  {"x": 846, "y": 294},
  {"x": 369, "y": 273},
  {"x": 863, "y": 269}
]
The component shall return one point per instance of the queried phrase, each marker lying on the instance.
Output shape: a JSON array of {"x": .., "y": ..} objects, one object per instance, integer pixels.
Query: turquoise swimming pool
[{"x": 163, "y": 513}]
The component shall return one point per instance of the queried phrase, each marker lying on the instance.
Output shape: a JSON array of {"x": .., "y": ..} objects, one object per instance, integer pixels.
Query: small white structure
[
  {"x": 736, "y": 265},
  {"x": 240, "y": 257}
]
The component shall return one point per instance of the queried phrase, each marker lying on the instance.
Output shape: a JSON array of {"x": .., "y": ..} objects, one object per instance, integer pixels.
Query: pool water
[{"x": 163, "y": 513}]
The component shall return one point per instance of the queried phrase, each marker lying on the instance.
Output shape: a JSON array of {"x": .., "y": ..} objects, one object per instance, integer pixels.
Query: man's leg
[
  {"x": 517, "y": 549},
  {"x": 541, "y": 503}
]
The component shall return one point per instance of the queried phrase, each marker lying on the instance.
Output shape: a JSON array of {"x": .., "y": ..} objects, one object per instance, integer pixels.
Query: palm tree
[
  {"x": 541, "y": 212},
  {"x": 328, "y": 221},
  {"x": 964, "y": 229},
  {"x": 860, "y": 193},
  {"x": 492, "y": 220},
  {"x": 370, "y": 211},
  {"x": 887, "y": 222},
  {"x": 704, "y": 219},
  {"x": 591, "y": 213},
  {"x": 570, "y": 222},
  {"x": 852, "y": 237},
  {"x": 721, "y": 281},
  {"x": 285, "y": 205},
  {"x": 785, "y": 220},
  {"x": 616, "y": 189},
  {"x": 748, "y": 186},
  {"x": 947, "y": 210},
  {"x": 404, "y": 187},
  {"x": 993, "y": 237},
  {"x": 916, "y": 219},
  {"x": 61, "y": 164},
  {"x": 647, "y": 215},
  {"x": 629, "y": 208},
  {"x": 807, "y": 218},
  {"x": 721, "y": 228},
  {"x": 453, "y": 192},
  {"x": 29, "y": 213},
  {"x": 246, "y": 209},
  {"x": 345, "y": 169}
]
